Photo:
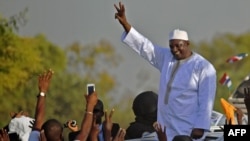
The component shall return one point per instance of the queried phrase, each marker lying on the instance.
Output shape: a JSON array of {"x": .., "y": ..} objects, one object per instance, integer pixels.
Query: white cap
[{"x": 178, "y": 34}]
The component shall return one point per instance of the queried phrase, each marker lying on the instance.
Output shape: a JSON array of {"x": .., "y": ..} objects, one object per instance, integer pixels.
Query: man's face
[{"x": 179, "y": 48}]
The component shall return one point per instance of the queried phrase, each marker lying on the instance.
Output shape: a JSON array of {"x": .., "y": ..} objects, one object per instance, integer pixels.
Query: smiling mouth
[{"x": 176, "y": 53}]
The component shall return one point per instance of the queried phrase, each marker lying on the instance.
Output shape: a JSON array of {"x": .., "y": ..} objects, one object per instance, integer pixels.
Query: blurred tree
[{"x": 22, "y": 59}]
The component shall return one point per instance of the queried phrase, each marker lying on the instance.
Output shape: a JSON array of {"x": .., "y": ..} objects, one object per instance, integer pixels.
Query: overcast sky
[{"x": 89, "y": 21}]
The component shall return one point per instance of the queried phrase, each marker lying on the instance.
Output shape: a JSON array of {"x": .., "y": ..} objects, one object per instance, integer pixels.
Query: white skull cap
[{"x": 178, "y": 34}]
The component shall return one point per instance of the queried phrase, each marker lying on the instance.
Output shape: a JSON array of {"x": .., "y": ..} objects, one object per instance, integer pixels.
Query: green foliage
[
  {"x": 19, "y": 58},
  {"x": 22, "y": 59}
]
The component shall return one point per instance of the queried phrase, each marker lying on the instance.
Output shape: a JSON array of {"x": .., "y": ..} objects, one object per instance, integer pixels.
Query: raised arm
[
  {"x": 88, "y": 117},
  {"x": 108, "y": 124},
  {"x": 43, "y": 86},
  {"x": 120, "y": 15}
]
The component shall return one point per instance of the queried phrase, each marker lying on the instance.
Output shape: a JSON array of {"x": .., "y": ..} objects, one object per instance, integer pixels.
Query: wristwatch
[{"x": 41, "y": 94}]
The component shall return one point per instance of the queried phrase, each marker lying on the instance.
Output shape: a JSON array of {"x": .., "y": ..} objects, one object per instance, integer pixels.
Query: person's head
[
  {"x": 145, "y": 105},
  {"x": 99, "y": 111},
  {"x": 179, "y": 44},
  {"x": 53, "y": 130},
  {"x": 20, "y": 124}
]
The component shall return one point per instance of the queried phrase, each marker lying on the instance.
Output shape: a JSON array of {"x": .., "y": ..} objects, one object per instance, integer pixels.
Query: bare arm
[
  {"x": 94, "y": 130},
  {"x": 43, "y": 85},
  {"x": 88, "y": 117}
]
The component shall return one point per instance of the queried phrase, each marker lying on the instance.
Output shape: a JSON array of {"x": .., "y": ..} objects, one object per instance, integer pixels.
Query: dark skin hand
[
  {"x": 108, "y": 124},
  {"x": 161, "y": 131},
  {"x": 197, "y": 133},
  {"x": 121, "y": 17},
  {"x": 4, "y": 136}
]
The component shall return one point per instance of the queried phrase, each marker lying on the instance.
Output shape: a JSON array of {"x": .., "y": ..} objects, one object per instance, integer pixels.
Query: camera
[{"x": 73, "y": 124}]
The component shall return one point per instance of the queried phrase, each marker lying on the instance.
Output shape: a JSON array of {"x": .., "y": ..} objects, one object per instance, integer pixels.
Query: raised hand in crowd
[
  {"x": 120, "y": 136},
  {"x": 247, "y": 102},
  {"x": 72, "y": 125},
  {"x": 161, "y": 131},
  {"x": 43, "y": 86},
  {"x": 4, "y": 136},
  {"x": 88, "y": 117},
  {"x": 44, "y": 81},
  {"x": 108, "y": 124}
]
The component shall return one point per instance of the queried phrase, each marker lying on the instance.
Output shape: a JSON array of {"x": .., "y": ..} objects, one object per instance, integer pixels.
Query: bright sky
[{"x": 89, "y": 21}]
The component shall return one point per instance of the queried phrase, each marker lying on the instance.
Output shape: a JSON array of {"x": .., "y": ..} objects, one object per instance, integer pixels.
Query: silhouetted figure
[{"x": 145, "y": 110}]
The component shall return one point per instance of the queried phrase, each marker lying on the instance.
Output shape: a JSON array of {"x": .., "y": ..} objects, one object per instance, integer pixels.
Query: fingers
[
  {"x": 120, "y": 5},
  {"x": 49, "y": 74},
  {"x": 111, "y": 113},
  {"x": 157, "y": 126},
  {"x": 116, "y": 8},
  {"x": 120, "y": 11},
  {"x": 46, "y": 75},
  {"x": 108, "y": 117},
  {"x": 120, "y": 135},
  {"x": 4, "y": 135},
  {"x": 31, "y": 123}
]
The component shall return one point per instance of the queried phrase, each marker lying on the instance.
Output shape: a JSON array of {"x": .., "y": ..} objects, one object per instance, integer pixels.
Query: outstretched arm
[
  {"x": 88, "y": 117},
  {"x": 43, "y": 85},
  {"x": 120, "y": 15}
]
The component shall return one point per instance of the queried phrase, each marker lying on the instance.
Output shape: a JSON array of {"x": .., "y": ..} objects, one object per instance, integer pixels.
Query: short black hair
[{"x": 53, "y": 130}]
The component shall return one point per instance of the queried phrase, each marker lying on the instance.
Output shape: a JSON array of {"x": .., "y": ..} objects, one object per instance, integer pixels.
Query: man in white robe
[{"x": 187, "y": 81}]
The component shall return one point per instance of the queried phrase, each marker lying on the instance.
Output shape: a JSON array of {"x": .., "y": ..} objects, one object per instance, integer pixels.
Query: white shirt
[{"x": 188, "y": 101}]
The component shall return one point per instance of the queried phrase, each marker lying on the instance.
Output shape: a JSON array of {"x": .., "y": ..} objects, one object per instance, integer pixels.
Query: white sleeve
[{"x": 141, "y": 45}]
